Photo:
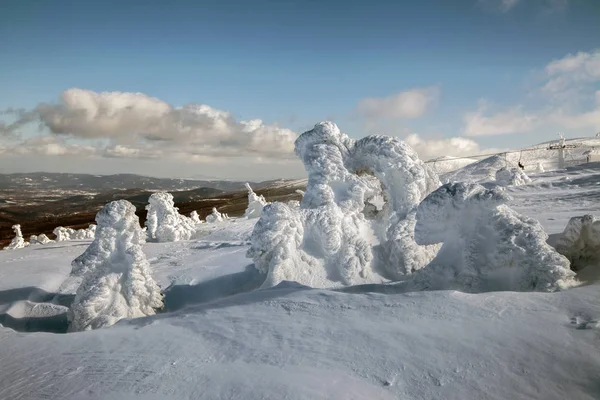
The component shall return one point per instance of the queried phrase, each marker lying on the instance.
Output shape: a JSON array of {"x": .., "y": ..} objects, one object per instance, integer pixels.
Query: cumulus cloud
[
  {"x": 512, "y": 120},
  {"x": 504, "y": 6},
  {"x": 408, "y": 104},
  {"x": 572, "y": 72},
  {"x": 137, "y": 125},
  {"x": 438, "y": 147}
]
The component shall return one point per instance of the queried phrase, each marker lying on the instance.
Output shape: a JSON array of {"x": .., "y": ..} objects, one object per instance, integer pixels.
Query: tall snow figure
[
  {"x": 256, "y": 204},
  {"x": 17, "y": 242},
  {"x": 195, "y": 217},
  {"x": 215, "y": 216},
  {"x": 120, "y": 284},
  {"x": 486, "y": 245},
  {"x": 164, "y": 222},
  {"x": 340, "y": 233}
]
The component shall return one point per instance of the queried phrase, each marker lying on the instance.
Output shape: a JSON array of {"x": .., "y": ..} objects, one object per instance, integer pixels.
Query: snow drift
[
  {"x": 17, "y": 242},
  {"x": 256, "y": 204},
  {"x": 164, "y": 222},
  {"x": 117, "y": 282},
  {"x": 511, "y": 177},
  {"x": 580, "y": 242},
  {"x": 339, "y": 234},
  {"x": 215, "y": 216},
  {"x": 486, "y": 245},
  {"x": 40, "y": 239}
]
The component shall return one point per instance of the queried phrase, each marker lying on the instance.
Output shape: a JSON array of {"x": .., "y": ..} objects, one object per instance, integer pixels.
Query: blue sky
[{"x": 294, "y": 63}]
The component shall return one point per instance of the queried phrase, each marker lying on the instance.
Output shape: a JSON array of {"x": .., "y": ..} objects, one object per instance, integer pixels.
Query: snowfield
[{"x": 224, "y": 334}]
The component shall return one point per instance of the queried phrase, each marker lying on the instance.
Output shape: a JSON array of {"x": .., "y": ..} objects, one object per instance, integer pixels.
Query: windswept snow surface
[
  {"x": 511, "y": 177},
  {"x": 222, "y": 338},
  {"x": 337, "y": 235}
]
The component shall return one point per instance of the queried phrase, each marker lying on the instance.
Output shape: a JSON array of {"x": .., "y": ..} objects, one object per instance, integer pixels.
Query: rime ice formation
[
  {"x": 63, "y": 234},
  {"x": 164, "y": 222},
  {"x": 215, "y": 216},
  {"x": 195, "y": 217},
  {"x": 40, "y": 239},
  {"x": 255, "y": 204},
  {"x": 486, "y": 245},
  {"x": 355, "y": 218},
  {"x": 512, "y": 177},
  {"x": 117, "y": 283},
  {"x": 580, "y": 241},
  {"x": 17, "y": 242}
]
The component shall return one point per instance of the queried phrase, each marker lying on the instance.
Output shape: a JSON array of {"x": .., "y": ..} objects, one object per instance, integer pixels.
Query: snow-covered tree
[
  {"x": 63, "y": 234},
  {"x": 580, "y": 241},
  {"x": 164, "y": 222},
  {"x": 215, "y": 216},
  {"x": 511, "y": 177},
  {"x": 255, "y": 204},
  {"x": 117, "y": 282},
  {"x": 40, "y": 239},
  {"x": 195, "y": 217},
  {"x": 17, "y": 242},
  {"x": 355, "y": 216},
  {"x": 486, "y": 245}
]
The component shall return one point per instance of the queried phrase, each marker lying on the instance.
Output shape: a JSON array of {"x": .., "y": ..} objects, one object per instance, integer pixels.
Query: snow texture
[
  {"x": 117, "y": 282},
  {"x": 511, "y": 177},
  {"x": 580, "y": 241},
  {"x": 40, "y": 239},
  {"x": 337, "y": 235},
  {"x": 256, "y": 204},
  {"x": 215, "y": 216},
  {"x": 195, "y": 217},
  {"x": 486, "y": 245},
  {"x": 164, "y": 222},
  {"x": 17, "y": 242}
]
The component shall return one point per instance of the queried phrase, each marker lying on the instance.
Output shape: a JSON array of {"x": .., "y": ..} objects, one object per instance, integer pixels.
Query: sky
[{"x": 221, "y": 89}]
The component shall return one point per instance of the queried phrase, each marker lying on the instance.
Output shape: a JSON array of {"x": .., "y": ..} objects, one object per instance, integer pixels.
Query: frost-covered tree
[
  {"x": 40, "y": 239},
  {"x": 164, "y": 222},
  {"x": 117, "y": 282},
  {"x": 487, "y": 246},
  {"x": 18, "y": 242},
  {"x": 580, "y": 241},
  {"x": 355, "y": 217},
  {"x": 63, "y": 234},
  {"x": 511, "y": 177},
  {"x": 256, "y": 204},
  {"x": 195, "y": 217},
  {"x": 215, "y": 216}
]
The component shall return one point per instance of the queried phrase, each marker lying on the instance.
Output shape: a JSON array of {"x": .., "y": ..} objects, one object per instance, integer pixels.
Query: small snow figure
[
  {"x": 255, "y": 204},
  {"x": 164, "y": 222},
  {"x": 214, "y": 217},
  {"x": 119, "y": 285},
  {"x": 195, "y": 217},
  {"x": 17, "y": 242},
  {"x": 486, "y": 245}
]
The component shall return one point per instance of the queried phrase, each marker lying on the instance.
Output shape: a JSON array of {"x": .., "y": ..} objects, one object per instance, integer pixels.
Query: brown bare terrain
[{"x": 40, "y": 213}]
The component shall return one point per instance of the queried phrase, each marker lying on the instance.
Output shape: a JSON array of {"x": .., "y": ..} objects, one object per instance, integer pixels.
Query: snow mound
[
  {"x": 64, "y": 234},
  {"x": 195, "y": 217},
  {"x": 164, "y": 222},
  {"x": 215, "y": 216},
  {"x": 40, "y": 239},
  {"x": 446, "y": 164},
  {"x": 117, "y": 283},
  {"x": 256, "y": 204},
  {"x": 511, "y": 177},
  {"x": 338, "y": 235},
  {"x": 17, "y": 242},
  {"x": 580, "y": 241},
  {"x": 486, "y": 245}
]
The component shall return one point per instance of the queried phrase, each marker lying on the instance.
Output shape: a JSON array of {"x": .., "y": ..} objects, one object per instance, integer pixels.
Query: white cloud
[
  {"x": 572, "y": 72},
  {"x": 438, "y": 147},
  {"x": 499, "y": 5},
  {"x": 140, "y": 125},
  {"x": 408, "y": 104},
  {"x": 546, "y": 6},
  {"x": 513, "y": 120}
]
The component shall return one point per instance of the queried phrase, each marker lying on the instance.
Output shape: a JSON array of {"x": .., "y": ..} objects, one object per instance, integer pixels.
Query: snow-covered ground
[{"x": 221, "y": 337}]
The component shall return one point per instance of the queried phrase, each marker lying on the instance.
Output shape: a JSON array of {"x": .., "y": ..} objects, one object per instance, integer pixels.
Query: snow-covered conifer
[
  {"x": 255, "y": 204},
  {"x": 17, "y": 242},
  {"x": 195, "y": 217},
  {"x": 117, "y": 282},
  {"x": 215, "y": 216},
  {"x": 164, "y": 222}
]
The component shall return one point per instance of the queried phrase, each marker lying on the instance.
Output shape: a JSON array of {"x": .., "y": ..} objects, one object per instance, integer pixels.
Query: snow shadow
[
  {"x": 179, "y": 296},
  {"x": 51, "y": 324},
  {"x": 35, "y": 295}
]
